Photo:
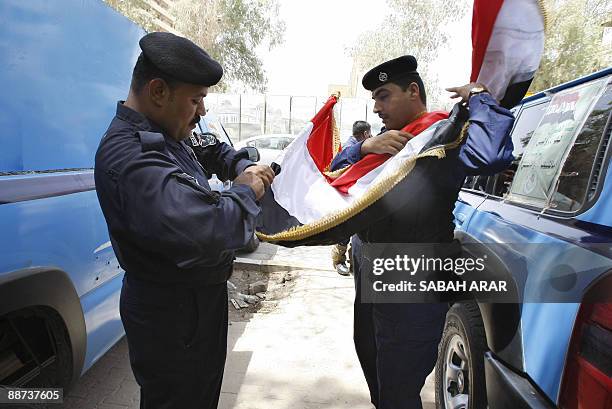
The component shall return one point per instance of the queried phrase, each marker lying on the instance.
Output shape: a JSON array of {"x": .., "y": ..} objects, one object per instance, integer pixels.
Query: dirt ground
[{"x": 278, "y": 286}]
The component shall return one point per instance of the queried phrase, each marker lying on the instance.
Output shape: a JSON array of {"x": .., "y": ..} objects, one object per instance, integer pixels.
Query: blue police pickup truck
[
  {"x": 65, "y": 64},
  {"x": 546, "y": 226}
]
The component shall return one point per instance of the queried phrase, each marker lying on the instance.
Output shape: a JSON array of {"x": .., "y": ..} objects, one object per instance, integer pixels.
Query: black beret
[
  {"x": 181, "y": 59},
  {"x": 385, "y": 72}
]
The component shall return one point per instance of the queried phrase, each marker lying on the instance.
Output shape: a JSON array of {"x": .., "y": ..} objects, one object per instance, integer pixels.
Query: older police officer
[
  {"x": 172, "y": 235},
  {"x": 397, "y": 343}
]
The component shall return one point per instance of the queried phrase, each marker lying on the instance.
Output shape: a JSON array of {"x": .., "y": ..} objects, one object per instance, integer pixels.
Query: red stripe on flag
[
  {"x": 321, "y": 140},
  {"x": 372, "y": 161},
  {"x": 483, "y": 20}
]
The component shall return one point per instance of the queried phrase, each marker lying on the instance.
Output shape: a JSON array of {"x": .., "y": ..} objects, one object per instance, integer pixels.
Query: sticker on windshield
[{"x": 547, "y": 150}]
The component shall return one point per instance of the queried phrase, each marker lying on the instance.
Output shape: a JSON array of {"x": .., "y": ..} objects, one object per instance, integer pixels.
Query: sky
[{"x": 318, "y": 33}]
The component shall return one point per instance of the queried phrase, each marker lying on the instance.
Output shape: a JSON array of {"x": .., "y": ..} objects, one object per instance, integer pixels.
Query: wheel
[
  {"x": 252, "y": 245},
  {"x": 460, "y": 378},
  {"x": 36, "y": 346},
  {"x": 60, "y": 374}
]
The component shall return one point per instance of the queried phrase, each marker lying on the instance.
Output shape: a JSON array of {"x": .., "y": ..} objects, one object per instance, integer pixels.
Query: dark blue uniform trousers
[
  {"x": 397, "y": 345},
  {"x": 177, "y": 339}
]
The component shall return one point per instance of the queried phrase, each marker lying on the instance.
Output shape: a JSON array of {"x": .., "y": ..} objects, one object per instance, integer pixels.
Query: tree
[
  {"x": 133, "y": 9},
  {"x": 412, "y": 27},
  {"x": 574, "y": 41},
  {"x": 229, "y": 30}
]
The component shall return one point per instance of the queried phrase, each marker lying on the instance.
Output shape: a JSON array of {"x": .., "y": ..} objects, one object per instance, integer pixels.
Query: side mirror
[{"x": 253, "y": 153}]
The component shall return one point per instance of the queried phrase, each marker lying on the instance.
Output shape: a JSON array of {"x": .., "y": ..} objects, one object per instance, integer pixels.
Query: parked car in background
[
  {"x": 545, "y": 225},
  {"x": 270, "y": 146}
]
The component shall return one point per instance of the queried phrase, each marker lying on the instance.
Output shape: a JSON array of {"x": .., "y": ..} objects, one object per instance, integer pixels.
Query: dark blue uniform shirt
[{"x": 165, "y": 223}]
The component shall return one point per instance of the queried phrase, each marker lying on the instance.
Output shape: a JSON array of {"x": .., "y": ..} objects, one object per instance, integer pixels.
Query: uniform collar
[
  {"x": 137, "y": 119},
  {"x": 142, "y": 122}
]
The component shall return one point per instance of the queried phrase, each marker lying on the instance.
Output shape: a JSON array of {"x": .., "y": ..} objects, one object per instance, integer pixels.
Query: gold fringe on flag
[{"x": 544, "y": 11}]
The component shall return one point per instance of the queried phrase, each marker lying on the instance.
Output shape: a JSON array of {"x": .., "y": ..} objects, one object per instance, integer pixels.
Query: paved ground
[
  {"x": 318, "y": 258},
  {"x": 299, "y": 355}
]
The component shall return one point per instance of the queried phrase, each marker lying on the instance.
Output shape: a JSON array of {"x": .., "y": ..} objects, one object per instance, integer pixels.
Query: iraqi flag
[
  {"x": 309, "y": 205},
  {"x": 507, "y": 45}
]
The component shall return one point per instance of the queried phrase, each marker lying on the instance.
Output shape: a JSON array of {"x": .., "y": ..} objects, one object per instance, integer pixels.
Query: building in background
[
  {"x": 152, "y": 15},
  {"x": 160, "y": 12}
]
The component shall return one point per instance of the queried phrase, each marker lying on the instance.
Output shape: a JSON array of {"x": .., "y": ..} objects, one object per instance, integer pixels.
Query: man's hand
[
  {"x": 257, "y": 177},
  {"x": 390, "y": 142},
  {"x": 264, "y": 172},
  {"x": 463, "y": 92}
]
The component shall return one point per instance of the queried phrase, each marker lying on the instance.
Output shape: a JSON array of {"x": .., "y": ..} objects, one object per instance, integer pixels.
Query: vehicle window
[
  {"x": 224, "y": 135},
  {"x": 284, "y": 142},
  {"x": 212, "y": 125},
  {"x": 280, "y": 143},
  {"x": 469, "y": 181},
  {"x": 526, "y": 124},
  {"x": 274, "y": 143},
  {"x": 534, "y": 181},
  {"x": 573, "y": 182},
  {"x": 478, "y": 183},
  {"x": 263, "y": 143}
]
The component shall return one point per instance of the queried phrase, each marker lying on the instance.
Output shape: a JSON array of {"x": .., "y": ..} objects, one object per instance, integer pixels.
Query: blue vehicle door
[{"x": 528, "y": 219}]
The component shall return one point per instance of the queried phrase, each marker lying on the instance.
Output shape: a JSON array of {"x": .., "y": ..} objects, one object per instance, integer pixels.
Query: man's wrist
[
  {"x": 242, "y": 165},
  {"x": 477, "y": 89}
]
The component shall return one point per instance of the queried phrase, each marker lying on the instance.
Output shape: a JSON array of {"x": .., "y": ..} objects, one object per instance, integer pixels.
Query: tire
[
  {"x": 460, "y": 377},
  {"x": 59, "y": 374},
  {"x": 62, "y": 375},
  {"x": 42, "y": 332},
  {"x": 252, "y": 245}
]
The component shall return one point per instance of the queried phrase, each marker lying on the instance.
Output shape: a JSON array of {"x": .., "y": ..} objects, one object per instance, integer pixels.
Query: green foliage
[
  {"x": 573, "y": 45},
  {"x": 229, "y": 30},
  {"x": 413, "y": 27}
]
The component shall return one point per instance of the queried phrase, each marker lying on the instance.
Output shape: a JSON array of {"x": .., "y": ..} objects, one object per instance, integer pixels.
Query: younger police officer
[
  {"x": 397, "y": 344},
  {"x": 172, "y": 235}
]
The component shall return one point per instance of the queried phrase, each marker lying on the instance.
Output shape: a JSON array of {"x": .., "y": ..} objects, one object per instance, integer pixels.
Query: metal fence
[{"x": 247, "y": 115}]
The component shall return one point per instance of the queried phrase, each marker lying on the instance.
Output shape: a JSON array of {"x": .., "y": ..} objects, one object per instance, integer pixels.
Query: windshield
[{"x": 212, "y": 125}]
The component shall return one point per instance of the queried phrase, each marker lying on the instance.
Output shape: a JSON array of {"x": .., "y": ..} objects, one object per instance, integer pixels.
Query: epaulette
[{"x": 151, "y": 141}]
